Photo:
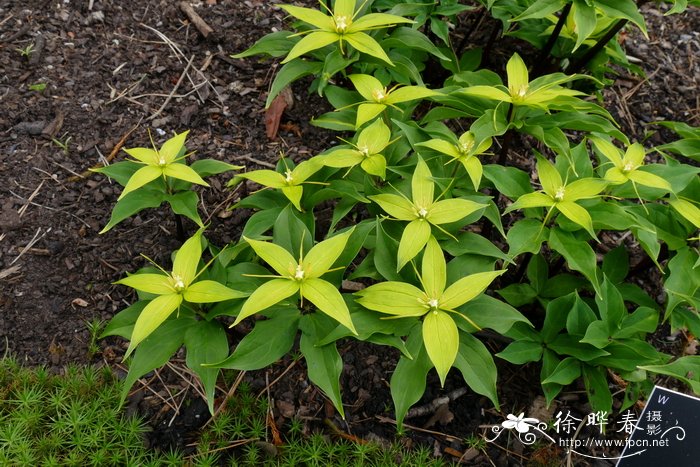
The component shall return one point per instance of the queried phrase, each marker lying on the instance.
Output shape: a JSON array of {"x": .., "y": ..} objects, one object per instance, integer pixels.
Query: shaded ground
[{"x": 114, "y": 68}]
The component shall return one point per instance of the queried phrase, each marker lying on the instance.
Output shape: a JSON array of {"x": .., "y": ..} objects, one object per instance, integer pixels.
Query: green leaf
[
  {"x": 626, "y": 9},
  {"x": 518, "y": 294},
  {"x": 328, "y": 300},
  {"x": 537, "y": 272},
  {"x": 478, "y": 369},
  {"x": 408, "y": 379},
  {"x": 686, "y": 369},
  {"x": 578, "y": 254},
  {"x": 597, "y": 334},
  {"x": 565, "y": 344},
  {"x": 266, "y": 295},
  {"x": 683, "y": 281},
  {"x": 151, "y": 317},
  {"x": 206, "y": 342},
  {"x": 596, "y": 382},
  {"x": 540, "y": 9},
  {"x": 522, "y": 351},
  {"x": 422, "y": 186},
  {"x": 556, "y": 316},
  {"x": 408, "y": 38},
  {"x": 122, "y": 324},
  {"x": 367, "y": 86},
  {"x": 469, "y": 242},
  {"x": 413, "y": 239},
  {"x": 323, "y": 364},
  {"x": 579, "y": 318},
  {"x": 526, "y": 236},
  {"x": 141, "y": 177},
  {"x": 207, "y": 167},
  {"x": 365, "y": 44},
  {"x": 395, "y": 206},
  {"x": 311, "y": 16},
  {"x": 121, "y": 172},
  {"x": 291, "y": 233},
  {"x": 156, "y": 350},
  {"x": 269, "y": 341},
  {"x": 290, "y": 72},
  {"x": 585, "y": 20},
  {"x": 183, "y": 172},
  {"x": 209, "y": 292},
  {"x": 312, "y": 41},
  {"x": 643, "y": 321},
  {"x": 509, "y": 181},
  {"x": 275, "y": 44},
  {"x": 185, "y": 203},
  {"x": 531, "y": 200},
  {"x": 616, "y": 264},
  {"x": 549, "y": 176},
  {"x": 133, "y": 203},
  {"x": 610, "y": 305},
  {"x": 565, "y": 373}
]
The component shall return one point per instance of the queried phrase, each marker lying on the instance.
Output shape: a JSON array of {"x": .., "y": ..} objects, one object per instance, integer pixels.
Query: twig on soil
[
  {"x": 177, "y": 85},
  {"x": 291, "y": 365},
  {"x": 29, "y": 200},
  {"x": 415, "y": 428},
  {"x": 201, "y": 25},
  {"x": 634, "y": 90},
  {"x": 252, "y": 159},
  {"x": 21, "y": 32},
  {"x": 9, "y": 271},
  {"x": 31, "y": 243},
  {"x": 432, "y": 406},
  {"x": 51, "y": 209}
]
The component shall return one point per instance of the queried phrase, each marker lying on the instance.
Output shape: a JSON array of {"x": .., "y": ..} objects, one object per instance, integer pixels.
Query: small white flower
[
  {"x": 520, "y": 423},
  {"x": 422, "y": 212},
  {"x": 288, "y": 176},
  {"x": 299, "y": 274},
  {"x": 179, "y": 284},
  {"x": 559, "y": 195}
]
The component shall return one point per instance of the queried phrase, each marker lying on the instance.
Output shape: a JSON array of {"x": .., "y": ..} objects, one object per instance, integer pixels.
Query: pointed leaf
[
  {"x": 365, "y": 44},
  {"x": 146, "y": 155},
  {"x": 311, "y": 16},
  {"x": 313, "y": 41},
  {"x": 375, "y": 165},
  {"x": 327, "y": 299},
  {"x": 373, "y": 20},
  {"x": 151, "y": 317},
  {"x": 478, "y": 369},
  {"x": 294, "y": 194},
  {"x": 206, "y": 342},
  {"x": 452, "y": 210},
  {"x": 441, "y": 341},
  {"x": 409, "y": 93},
  {"x": 584, "y": 188},
  {"x": 141, "y": 177},
  {"x": 266, "y": 178},
  {"x": 394, "y": 298},
  {"x": 408, "y": 379},
  {"x": 210, "y": 292},
  {"x": 158, "y": 284},
  {"x": 187, "y": 259},
  {"x": 131, "y": 204},
  {"x": 518, "y": 78},
  {"x": 549, "y": 176},
  {"x": 183, "y": 172},
  {"x": 277, "y": 257},
  {"x": 531, "y": 200},
  {"x": 649, "y": 179},
  {"x": 422, "y": 186},
  {"x": 395, "y": 206},
  {"x": 172, "y": 147},
  {"x": 413, "y": 239},
  {"x": 266, "y": 295},
  {"x": 434, "y": 269},
  {"x": 367, "y": 112},
  {"x": 467, "y": 288},
  {"x": 577, "y": 214},
  {"x": 487, "y": 92},
  {"x": 368, "y": 86},
  {"x": 322, "y": 256}
]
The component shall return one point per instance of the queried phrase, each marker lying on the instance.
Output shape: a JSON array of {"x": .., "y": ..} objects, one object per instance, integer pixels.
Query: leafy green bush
[{"x": 435, "y": 242}]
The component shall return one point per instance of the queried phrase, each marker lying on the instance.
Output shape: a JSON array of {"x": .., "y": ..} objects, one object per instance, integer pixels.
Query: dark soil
[{"x": 108, "y": 70}]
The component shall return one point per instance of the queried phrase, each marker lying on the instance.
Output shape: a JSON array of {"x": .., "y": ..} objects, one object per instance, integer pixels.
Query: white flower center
[
  {"x": 433, "y": 303},
  {"x": 179, "y": 283},
  {"x": 522, "y": 91},
  {"x": 465, "y": 147},
  {"x": 628, "y": 167},
  {"x": 299, "y": 274},
  {"x": 341, "y": 23},
  {"x": 161, "y": 162},
  {"x": 422, "y": 212},
  {"x": 559, "y": 195},
  {"x": 379, "y": 95},
  {"x": 288, "y": 177},
  {"x": 364, "y": 150}
]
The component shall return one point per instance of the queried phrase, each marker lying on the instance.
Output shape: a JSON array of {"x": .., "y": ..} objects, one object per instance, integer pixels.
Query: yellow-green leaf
[
  {"x": 158, "y": 284},
  {"x": 474, "y": 169},
  {"x": 413, "y": 239},
  {"x": 373, "y": 20},
  {"x": 313, "y": 41},
  {"x": 343, "y": 157},
  {"x": 374, "y": 138},
  {"x": 344, "y": 8},
  {"x": 434, "y": 269},
  {"x": 268, "y": 178},
  {"x": 305, "y": 169},
  {"x": 328, "y": 300},
  {"x": 608, "y": 150},
  {"x": 487, "y": 92},
  {"x": 151, "y": 317},
  {"x": 531, "y": 200},
  {"x": 441, "y": 146},
  {"x": 441, "y": 339},
  {"x": 274, "y": 255},
  {"x": 409, "y": 93},
  {"x": 172, "y": 147},
  {"x": 395, "y": 206},
  {"x": 549, "y": 176},
  {"x": 183, "y": 172},
  {"x": 394, "y": 298},
  {"x": 518, "y": 78},
  {"x": 367, "y": 112},
  {"x": 322, "y": 256},
  {"x": 466, "y": 289},
  {"x": 368, "y": 86},
  {"x": 616, "y": 176},
  {"x": 187, "y": 259},
  {"x": 374, "y": 165},
  {"x": 584, "y": 188},
  {"x": 649, "y": 179},
  {"x": 311, "y": 16},
  {"x": 210, "y": 292},
  {"x": 145, "y": 155},
  {"x": 422, "y": 186},
  {"x": 141, "y": 177},
  {"x": 687, "y": 210},
  {"x": 365, "y": 44},
  {"x": 577, "y": 214},
  {"x": 266, "y": 295},
  {"x": 635, "y": 155},
  {"x": 451, "y": 210},
  {"x": 294, "y": 194}
]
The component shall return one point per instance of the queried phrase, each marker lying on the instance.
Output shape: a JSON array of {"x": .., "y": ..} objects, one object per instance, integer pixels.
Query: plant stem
[
  {"x": 579, "y": 64},
  {"x": 489, "y": 45},
  {"x": 547, "y": 50},
  {"x": 475, "y": 25},
  {"x": 507, "y": 138},
  {"x": 180, "y": 228}
]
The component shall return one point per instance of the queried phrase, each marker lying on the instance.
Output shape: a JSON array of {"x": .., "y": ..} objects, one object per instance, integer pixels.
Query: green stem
[{"x": 507, "y": 138}]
